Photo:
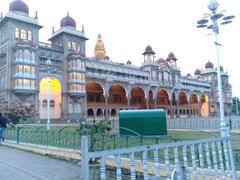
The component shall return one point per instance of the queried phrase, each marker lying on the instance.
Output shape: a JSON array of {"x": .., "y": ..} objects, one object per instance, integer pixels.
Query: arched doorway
[
  {"x": 182, "y": 101},
  {"x": 204, "y": 105},
  {"x": 151, "y": 101},
  {"x": 138, "y": 99},
  {"x": 117, "y": 95},
  {"x": 194, "y": 103},
  {"x": 99, "y": 113},
  {"x": 113, "y": 113},
  {"x": 55, "y": 98},
  {"x": 95, "y": 94},
  {"x": 90, "y": 113},
  {"x": 162, "y": 99}
]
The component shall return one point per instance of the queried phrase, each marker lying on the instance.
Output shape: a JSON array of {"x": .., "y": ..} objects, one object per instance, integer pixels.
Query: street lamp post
[
  {"x": 214, "y": 17},
  {"x": 48, "y": 94}
]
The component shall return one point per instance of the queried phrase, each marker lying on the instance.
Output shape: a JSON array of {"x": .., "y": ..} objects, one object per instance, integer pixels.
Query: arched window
[
  {"x": 44, "y": 103},
  {"x": 29, "y": 37},
  {"x": 23, "y": 34},
  {"x": 72, "y": 45},
  {"x": 52, "y": 103}
]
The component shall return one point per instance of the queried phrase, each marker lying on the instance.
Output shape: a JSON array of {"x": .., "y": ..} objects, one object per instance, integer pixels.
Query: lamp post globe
[{"x": 213, "y": 5}]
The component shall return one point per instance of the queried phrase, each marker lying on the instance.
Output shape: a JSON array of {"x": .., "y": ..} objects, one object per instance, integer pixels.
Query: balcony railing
[
  {"x": 25, "y": 61},
  {"x": 50, "y": 46}
]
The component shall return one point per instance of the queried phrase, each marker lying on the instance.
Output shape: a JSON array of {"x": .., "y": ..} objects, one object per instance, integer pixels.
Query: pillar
[
  {"x": 128, "y": 101},
  {"x": 106, "y": 107},
  {"x": 171, "y": 108},
  {"x": 177, "y": 115},
  {"x": 199, "y": 108},
  {"x": 189, "y": 108},
  {"x": 147, "y": 103}
]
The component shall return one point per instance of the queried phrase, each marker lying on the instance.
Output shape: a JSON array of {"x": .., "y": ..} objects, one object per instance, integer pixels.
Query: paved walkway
[{"x": 15, "y": 164}]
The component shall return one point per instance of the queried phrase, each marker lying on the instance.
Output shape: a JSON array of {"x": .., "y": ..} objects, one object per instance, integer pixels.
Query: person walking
[{"x": 3, "y": 125}]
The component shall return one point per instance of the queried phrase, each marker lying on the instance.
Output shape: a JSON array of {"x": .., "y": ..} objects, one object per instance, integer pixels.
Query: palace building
[{"x": 95, "y": 87}]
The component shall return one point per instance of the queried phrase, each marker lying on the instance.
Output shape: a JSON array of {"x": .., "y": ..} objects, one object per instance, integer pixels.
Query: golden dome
[{"x": 99, "y": 50}]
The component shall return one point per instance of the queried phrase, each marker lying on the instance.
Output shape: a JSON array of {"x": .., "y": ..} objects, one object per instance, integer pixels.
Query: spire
[
  {"x": 83, "y": 28},
  {"x": 99, "y": 50},
  {"x": 36, "y": 14}
]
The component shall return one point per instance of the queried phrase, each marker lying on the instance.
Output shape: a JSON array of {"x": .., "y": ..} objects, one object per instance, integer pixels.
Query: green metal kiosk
[{"x": 147, "y": 122}]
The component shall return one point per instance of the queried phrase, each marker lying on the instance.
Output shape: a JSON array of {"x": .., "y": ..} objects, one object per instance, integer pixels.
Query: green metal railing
[
  {"x": 57, "y": 137},
  {"x": 64, "y": 138}
]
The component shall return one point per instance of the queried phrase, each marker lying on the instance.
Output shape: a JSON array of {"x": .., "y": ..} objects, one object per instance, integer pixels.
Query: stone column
[
  {"x": 177, "y": 115},
  {"x": 199, "y": 108},
  {"x": 155, "y": 103},
  {"x": 189, "y": 108},
  {"x": 128, "y": 101},
  {"x": 106, "y": 106},
  {"x": 147, "y": 103},
  {"x": 171, "y": 108}
]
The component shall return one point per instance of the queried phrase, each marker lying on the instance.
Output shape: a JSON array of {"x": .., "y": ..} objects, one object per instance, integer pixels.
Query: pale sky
[{"x": 128, "y": 26}]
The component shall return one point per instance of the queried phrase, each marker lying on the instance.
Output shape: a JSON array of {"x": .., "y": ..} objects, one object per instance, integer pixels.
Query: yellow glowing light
[{"x": 55, "y": 85}]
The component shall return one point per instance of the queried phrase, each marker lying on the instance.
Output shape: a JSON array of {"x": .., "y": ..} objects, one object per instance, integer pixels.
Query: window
[
  {"x": 23, "y": 34},
  {"x": 52, "y": 103},
  {"x": 17, "y": 33},
  {"x": 44, "y": 103},
  {"x": 73, "y": 46},
  {"x": 29, "y": 35}
]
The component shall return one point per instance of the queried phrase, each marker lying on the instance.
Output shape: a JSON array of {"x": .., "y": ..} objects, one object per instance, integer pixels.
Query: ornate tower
[
  {"x": 148, "y": 54},
  {"x": 99, "y": 50},
  {"x": 19, "y": 55}
]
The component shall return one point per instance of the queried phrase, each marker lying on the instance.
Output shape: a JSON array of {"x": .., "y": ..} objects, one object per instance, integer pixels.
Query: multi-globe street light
[
  {"x": 48, "y": 63},
  {"x": 214, "y": 17}
]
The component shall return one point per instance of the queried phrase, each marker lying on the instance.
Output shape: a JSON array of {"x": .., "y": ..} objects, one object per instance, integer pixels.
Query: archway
[
  {"x": 55, "y": 98},
  {"x": 95, "y": 94},
  {"x": 182, "y": 98},
  {"x": 151, "y": 101},
  {"x": 194, "y": 103},
  {"x": 138, "y": 99},
  {"x": 204, "y": 105},
  {"x": 117, "y": 95},
  {"x": 90, "y": 113},
  {"x": 99, "y": 113},
  {"x": 113, "y": 113},
  {"x": 182, "y": 101},
  {"x": 162, "y": 98}
]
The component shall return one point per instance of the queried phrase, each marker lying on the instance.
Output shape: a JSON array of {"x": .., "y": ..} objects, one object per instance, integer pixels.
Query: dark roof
[
  {"x": 19, "y": 5},
  {"x": 149, "y": 50},
  {"x": 171, "y": 56},
  {"x": 209, "y": 65},
  {"x": 68, "y": 21},
  {"x": 197, "y": 72}
]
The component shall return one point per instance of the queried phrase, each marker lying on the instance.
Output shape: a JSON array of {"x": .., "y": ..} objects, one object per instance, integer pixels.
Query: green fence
[
  {"x": 57, "y": 137},
  {"x": 70, "y": 138}
]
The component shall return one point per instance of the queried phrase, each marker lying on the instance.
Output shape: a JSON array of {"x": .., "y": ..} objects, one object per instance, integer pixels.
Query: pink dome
[
  {"x": 209, "y": 65},
  {"x": 197, "y": 72},
  {"x": 19, "y": 5}
]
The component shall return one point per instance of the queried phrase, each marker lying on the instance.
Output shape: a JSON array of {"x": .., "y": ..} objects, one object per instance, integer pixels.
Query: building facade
[{"x": 94, "y": 87}]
